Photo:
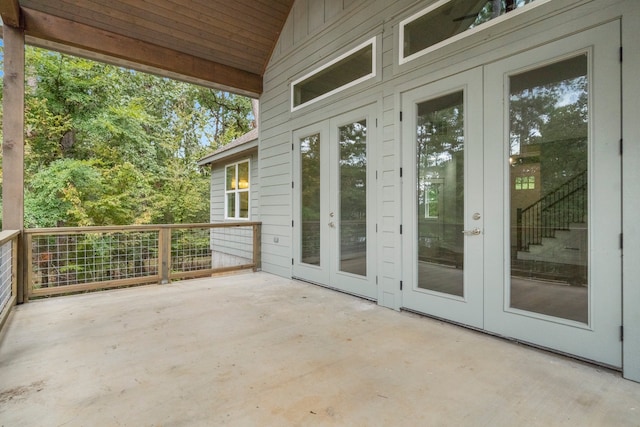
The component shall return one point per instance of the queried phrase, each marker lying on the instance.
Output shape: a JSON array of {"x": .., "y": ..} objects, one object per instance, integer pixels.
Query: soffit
[{"x": 227, "y": 42}]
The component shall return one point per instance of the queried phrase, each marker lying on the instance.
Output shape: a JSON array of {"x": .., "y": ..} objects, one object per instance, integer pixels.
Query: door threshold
[{"x": 520, "y": 342}]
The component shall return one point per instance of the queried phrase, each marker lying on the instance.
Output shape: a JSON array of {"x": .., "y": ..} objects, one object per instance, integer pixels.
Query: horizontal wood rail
[{"x": 78, "y": 259}]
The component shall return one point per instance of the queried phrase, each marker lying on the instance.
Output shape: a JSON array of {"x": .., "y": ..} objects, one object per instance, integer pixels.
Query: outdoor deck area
[{"x": 253, "y": 349}]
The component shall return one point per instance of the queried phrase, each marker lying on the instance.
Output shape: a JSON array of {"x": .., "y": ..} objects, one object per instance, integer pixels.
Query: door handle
[
  {"x": 332, "y": 225},
  {"x": 473, "y": 232}
]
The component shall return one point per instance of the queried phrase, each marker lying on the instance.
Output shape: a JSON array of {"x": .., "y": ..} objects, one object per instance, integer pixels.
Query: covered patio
[{"x": 258, "y": 349}]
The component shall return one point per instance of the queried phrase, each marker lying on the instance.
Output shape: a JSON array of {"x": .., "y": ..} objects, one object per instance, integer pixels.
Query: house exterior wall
[
  {"x": 233, "y": 246},
  {"x": 318, "y": 31}
]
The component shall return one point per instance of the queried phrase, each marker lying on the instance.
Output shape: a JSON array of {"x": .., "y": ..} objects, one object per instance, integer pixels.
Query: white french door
[
  {"x": 553, "y": 152},
  {"x": 442, "y": 198},
  {"x": 513, "y": 197},
  {"x": 334, "y": 200}
]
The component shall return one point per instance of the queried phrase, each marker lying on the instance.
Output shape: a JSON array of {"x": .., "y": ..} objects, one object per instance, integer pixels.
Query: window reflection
[
  {"x": 548, "y": 158},
  {"x": 451, "y": 18},
  {"x": 353, "y": 198},
  {"x": 440, "y": 193},
  {"x": 310, "y": 196}
]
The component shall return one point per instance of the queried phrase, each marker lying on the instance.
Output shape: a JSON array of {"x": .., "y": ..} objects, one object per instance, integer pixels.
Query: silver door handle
[
  {"x": 473, "y": 232},
  {"x": 332, "y": 225}
]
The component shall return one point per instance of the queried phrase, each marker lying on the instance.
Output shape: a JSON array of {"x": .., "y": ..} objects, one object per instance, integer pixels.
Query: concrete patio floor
[{"x": 258, "y": 350}]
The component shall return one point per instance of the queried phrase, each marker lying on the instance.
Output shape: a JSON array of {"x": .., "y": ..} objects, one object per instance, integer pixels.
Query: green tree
[{"x": 107, "y": 145}]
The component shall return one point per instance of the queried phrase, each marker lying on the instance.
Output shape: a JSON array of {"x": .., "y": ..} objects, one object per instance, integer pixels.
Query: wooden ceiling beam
[
  {"x": 63, "y": 31},
  {"x": 10, "y": 12}
]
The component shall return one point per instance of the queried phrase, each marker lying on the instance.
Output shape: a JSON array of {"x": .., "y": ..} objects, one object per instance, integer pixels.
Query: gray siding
[
  {"x": 233, "y": 246},
  {"x": 318, "y": 31},
  {"x": 344, "y": 24},
  {"x": 307, "y": 41}
]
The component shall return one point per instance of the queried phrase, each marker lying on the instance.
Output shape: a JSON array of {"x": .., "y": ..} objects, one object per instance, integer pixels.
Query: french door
[
  {"x": 334, "y": 197},
  {"x": 513, "y": 197},
  {"x": 443, "y": 203}
]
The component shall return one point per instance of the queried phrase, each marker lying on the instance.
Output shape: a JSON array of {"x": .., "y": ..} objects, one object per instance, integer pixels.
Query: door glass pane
[
  {"x": 353, "y": 198},
  {"x": 310, "y": 199},
  {"x": 548, "y": 157},
  {"x": 440, "y": 193}
]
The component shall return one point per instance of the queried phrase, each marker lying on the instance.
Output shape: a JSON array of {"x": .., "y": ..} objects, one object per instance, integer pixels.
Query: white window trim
[
  {"x": 236, "y": 192},
  {"x": 462, "y": 35},
  {"x": 372, "y": 42}
]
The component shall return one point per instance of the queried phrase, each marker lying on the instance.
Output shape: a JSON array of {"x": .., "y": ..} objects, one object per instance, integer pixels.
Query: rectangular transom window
[
  {"x": 347, "y": 70},
  {"x": 448, "y": 18},
  {"x": 236, "y": 205}
]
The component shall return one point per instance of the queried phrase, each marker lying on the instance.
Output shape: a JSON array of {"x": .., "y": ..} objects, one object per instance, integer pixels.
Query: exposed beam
[
  {"x": 66, "y": 32},
  {"x": 10, "y": 12}
]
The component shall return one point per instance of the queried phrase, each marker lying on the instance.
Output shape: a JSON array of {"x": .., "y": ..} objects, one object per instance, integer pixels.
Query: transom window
[
  {"x": 237, "y": 190},
  {"x": 447, "y": 18},
  {"x": 343, "y": 72}
]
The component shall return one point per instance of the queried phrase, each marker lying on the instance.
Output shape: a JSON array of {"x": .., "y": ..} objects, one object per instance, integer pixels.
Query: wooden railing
[
  {"x": 68, "y": 260},
  {"x": 8, "y": 272}
]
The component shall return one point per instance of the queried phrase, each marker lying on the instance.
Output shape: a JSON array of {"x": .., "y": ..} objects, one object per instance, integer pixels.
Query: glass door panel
[
  {"x": 548, "y": 164},
  {"x": 440, "y": 193},
  {"x": 310, "y": 199},
  {"x": 353, "y": 197}
]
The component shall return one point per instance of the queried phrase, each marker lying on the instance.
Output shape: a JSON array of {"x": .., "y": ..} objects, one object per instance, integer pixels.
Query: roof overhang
[
  {"x": 243, "y": 146},
  {"x": 220, "y": 44}
]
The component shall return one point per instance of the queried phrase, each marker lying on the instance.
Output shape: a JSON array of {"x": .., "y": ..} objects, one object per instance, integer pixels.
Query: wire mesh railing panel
[
  {"x": 6, "y": 276},
  {"x": 190, "y": 249},
  {"x": 91, "y": 257}
]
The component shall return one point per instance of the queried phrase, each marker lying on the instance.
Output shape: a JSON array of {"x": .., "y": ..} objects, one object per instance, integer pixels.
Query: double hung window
[{"x": 237, "y": 190}]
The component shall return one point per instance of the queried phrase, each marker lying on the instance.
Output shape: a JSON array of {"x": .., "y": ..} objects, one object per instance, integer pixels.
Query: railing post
[
  {"x": 15, "y": 251},
  {"x": 257, "y": 250},
  {"x": 164, "y": 254},
  {"x": 25, "y": 271}
]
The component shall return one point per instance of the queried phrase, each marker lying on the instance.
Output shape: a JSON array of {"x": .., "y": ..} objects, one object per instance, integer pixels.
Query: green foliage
[
  {"x": 111, "y": 146},
  {"x": 57, "y": 195}
]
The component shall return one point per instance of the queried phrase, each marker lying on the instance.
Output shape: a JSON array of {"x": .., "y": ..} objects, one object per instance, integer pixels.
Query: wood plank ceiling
[{"x": 220, "y": 43}]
